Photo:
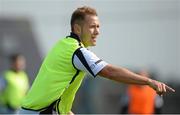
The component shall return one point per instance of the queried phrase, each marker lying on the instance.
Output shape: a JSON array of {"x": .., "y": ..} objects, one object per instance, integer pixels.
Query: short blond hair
[{"x": 80, "y": 13}]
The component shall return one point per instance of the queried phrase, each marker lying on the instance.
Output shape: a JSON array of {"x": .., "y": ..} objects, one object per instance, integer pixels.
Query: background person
[
  {"x": 141, "y": 99},
  {"x": 15, "y": 86}
]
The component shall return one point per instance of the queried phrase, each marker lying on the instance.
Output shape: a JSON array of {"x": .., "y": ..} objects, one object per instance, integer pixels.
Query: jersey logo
[{"x": 98, "y": 61}]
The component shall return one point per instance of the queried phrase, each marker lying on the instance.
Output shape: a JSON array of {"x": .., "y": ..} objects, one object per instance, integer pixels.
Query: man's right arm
[
  {"x": 123, "y": 75},
  {"x": 87, "y": 61}
]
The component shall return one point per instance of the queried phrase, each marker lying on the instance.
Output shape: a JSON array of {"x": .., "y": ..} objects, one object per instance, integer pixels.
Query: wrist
[{"x": 149, "y": 82}]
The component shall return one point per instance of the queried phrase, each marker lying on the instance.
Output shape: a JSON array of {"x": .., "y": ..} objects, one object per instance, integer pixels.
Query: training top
[
  {"x": 15, "y": 88},
  {"x": 61, "y": 74},
  {"x": 141, "y": 99}
]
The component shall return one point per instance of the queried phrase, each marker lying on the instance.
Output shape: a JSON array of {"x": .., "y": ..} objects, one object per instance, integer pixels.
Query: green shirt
[
  {"x": 57, "y": 80},
  {"x": 17, "y": 85}
]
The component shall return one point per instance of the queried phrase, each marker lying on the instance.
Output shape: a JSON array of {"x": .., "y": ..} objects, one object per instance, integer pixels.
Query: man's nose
[{"x": 97, "y": 31}]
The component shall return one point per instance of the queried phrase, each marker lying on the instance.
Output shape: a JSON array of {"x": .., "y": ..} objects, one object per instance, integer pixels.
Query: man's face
[
  {"x": 20, "y": 63},
  {"x": 89, "y": 30}
]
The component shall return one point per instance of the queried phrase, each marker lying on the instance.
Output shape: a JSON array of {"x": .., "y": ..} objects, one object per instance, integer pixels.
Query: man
[
  {"x": 63, "y": 69},
  {"x": 140, "y": 98},
  {"x": 15, "y": 85}
]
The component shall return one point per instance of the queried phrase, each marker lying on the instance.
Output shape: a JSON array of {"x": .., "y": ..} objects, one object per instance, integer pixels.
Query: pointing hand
[{"x": 160, "y": 87}]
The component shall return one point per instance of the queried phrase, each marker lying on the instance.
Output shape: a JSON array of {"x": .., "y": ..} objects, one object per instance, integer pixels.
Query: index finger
[{"x": 170, "y": 89}]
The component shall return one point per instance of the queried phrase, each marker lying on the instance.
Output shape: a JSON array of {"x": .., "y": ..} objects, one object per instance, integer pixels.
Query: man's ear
[{"x": 77, "y": 29}]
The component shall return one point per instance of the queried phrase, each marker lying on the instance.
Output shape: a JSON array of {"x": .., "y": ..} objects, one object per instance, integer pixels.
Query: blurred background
[{"x": 135, "y": 34}]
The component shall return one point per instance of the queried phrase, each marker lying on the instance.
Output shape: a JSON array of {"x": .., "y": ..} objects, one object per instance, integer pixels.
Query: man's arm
[
  {"x": 125, "y": 76},
  {"x": 3, "y": 83},
  {"x": 70, "y": 113}
]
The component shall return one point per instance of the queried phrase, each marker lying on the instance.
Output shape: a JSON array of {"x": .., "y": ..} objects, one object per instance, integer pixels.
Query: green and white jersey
[{"x": 60, "y": 76}]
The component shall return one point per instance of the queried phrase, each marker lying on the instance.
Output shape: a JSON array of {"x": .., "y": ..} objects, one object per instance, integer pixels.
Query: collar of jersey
[{"x": 75, "y": 36}]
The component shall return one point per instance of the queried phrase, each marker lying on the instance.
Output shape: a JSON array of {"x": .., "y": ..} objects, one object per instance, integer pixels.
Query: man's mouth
[{"x": 94, "y": 39}]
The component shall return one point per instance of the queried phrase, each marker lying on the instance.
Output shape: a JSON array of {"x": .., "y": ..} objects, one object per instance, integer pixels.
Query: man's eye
[{"x": 92, "y": 26}]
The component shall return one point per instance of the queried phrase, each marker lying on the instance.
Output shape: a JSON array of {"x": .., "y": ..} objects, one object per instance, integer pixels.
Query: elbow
[{"x": 107, "y": 72}]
